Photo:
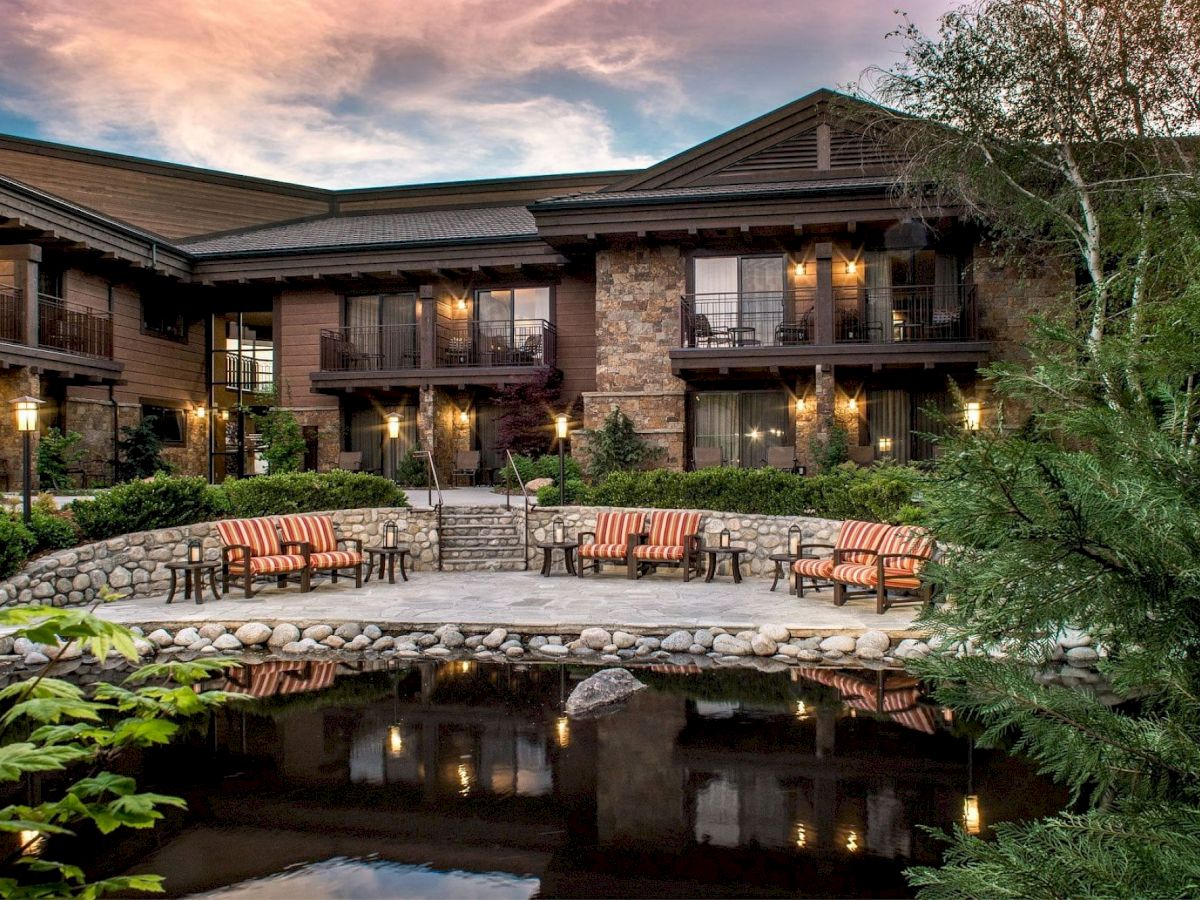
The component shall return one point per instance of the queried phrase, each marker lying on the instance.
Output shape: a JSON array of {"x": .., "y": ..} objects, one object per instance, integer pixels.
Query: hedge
[
  {"x": 296, "y": 492},
  {"x": 16, "y": 543},
  {"x": 883, "y": 493}
]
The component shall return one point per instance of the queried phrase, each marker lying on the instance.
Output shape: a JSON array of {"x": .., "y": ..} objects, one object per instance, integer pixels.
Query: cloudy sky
[{"x": 350, "y": 93}]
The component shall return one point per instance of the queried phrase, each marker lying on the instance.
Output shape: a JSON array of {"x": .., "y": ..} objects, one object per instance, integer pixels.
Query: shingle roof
[
  {"x": 336, "y": 232},
  {"x": 719, "y": 191}
]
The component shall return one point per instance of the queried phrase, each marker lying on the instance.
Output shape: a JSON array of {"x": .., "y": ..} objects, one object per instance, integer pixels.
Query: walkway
[
  {"x": 460, "y": 496},
  {"x": 529, "y": 603}
]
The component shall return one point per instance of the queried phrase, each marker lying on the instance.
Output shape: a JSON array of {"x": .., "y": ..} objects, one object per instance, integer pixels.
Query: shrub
[
  {"x": 295, "y": 492},
  {"x": 56, "y": 453},
  {"x": 832, "y": 450},
  {"x": 412, "y": 471},
  {"x": 578, "y": 493},
  {"x": 161, "y": 502},
  {"x": 283, "y": 440},
  {"x": 139, "y": 452},
  {"x": 16, "y": 543},
  {"x": 52, "y": 532},
  {"x": 617, "y": 447},
  {"x": 531, "y": 467}
]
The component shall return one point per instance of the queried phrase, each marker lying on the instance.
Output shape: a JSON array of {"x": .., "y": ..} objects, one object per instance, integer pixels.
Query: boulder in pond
[{"x": 602, "y": 690}]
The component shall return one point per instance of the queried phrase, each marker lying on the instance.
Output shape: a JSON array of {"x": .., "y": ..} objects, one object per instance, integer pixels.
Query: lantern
[
  {"x": 885, "y": 446},
  {"x": 195, "y": 551},
  {"x": 393, "y": 425},
  {"x": 972, "y": 822},
  {"x": 395, "y": 741},
  {"x": 795, "y": 539},
  {"x": 391, "y": 534},
  {"x": 560, "y": 530},
  {"x": 724, "y": 542}
]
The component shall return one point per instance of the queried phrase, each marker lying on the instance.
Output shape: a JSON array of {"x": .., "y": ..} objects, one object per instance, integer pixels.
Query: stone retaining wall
[
  {"x": 136, "y": 562},
  {"x": 761, "y": 535}
]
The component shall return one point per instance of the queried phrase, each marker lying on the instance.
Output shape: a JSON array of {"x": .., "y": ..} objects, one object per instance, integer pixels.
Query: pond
[{"x": 460, "y": 779}]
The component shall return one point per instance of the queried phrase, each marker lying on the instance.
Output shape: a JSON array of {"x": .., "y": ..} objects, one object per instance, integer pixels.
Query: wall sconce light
[
  {"x": 801, "y": 269},
  {"x": 851, "y": 267},
  {"x": 462, "y": 304},
  {"x": 800, "y": 404},
  {"x": 852, "y": 404},
  {"x": 464, "y": 417},
  {"x": 224, "y": 415},
  {"x": 972, "y": 821},
  {"x": 200, "y": 412},
  {"x": 885, "y": 446},
  {"x": 972, "y": 416},
  {"x": 393, "y": 425}
]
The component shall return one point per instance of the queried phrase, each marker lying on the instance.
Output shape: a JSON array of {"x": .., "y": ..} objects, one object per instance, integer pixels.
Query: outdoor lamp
[
  {"x": 200, "y": 411},
  {"x": 852, "y": 404},
  {"x": 560, "y": 427},
  {"x": 885, "y": 446},
  {"x": 972, "y": 823},
  {"x": 391, "y": 534},
  {"x": 800, "y": 404},
  {"x": 800, "y": 269},
  {"x": 973, "y": 415},
  {"x": 26, "y": 410},
  {"x": 851, "y": 267},
  {"x": 224, "y": 415},
  {"x": 795, "y": 538},
  {"x": 393, "y": 425},
  {"x": 560, "y": 530},
  {"x": 724, "y": 542},
  {"x": 195, "y": 550},
  {"x": 464, "y": 417}
]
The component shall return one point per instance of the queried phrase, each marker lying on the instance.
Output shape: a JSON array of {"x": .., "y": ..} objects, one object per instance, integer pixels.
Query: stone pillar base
[{"x": 658, "y": 416}]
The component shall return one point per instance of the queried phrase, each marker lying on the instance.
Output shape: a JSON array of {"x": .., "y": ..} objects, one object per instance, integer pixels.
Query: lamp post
[
  {"x": 393, "y": 432},
  {"x": 560, "y": 428},
  {"x": 26, "y": 411}
]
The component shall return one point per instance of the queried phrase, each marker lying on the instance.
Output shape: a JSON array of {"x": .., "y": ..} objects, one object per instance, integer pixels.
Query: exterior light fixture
[
  {"x": 224, "y": 415},
  {"x": 972, "y": 415},
  {"x": 852, "y": 404},
  {"x": 795, "y": 539},
  {"x": 725, "y": 538},
  {"x": 560, "y": 427},
  {"x": 464, "y": 417},
  {"x": 972, "y": 821},
  {"x": 559, "y": 528},
  {"x": 851, "y": 267},
  {"x": 801, "y": 404},
  {"x": 560, "y": 430},
  {"x": 391, "y": 534},
  {"x": 801, "y": 709},
  {"x": 462, "y": 304},
  {"x": 885, "y": 446},
  {"x": 393, "y": 425},
  {"x": 200, "y": 411},
  {"x": 801, "y": 269},
  {"x": 26, "y": 411},
  {"x": 195, "y": 550}
]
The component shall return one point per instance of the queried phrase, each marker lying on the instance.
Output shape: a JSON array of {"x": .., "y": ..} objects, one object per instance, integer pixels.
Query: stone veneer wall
[
  {"x": 761, "y": 535},
  {"x": 136, "y": 562}
]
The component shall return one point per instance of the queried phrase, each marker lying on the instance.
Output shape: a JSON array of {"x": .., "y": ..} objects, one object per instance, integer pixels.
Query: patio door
[
  {"x": 741, "y": 424},
  {"x": 384, "y": 327},
  {"x": 742, "y": 294}
]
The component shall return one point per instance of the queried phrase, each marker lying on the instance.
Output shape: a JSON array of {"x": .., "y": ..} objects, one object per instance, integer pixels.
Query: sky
[{"x": 357, "y": 93}]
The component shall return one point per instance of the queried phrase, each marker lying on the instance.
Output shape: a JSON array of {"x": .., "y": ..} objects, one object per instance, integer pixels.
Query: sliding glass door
[
  {"x": 741, "y": 297},
  {"x": 382, "y": 328},
  {"x": 741, "y": 425}
]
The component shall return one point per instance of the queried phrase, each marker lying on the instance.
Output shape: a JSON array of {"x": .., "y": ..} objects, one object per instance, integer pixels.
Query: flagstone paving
[{"x": 528, "y": 602}]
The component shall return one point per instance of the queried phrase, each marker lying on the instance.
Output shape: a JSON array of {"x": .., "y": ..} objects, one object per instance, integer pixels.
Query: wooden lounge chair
[
  {"x": 894, "y": 568},
  {"x": 325, "y": 550},
  {"x": 350, "y": 460},
  {"x": 252, "y": 548},
  {"x": 866, "y": 536},
  {"x": 706, "y": 457},
  {"x": 466, "y": 465},
  {"x": 673, "y": 539},
  {"x": 611, "y": 542},
  {"x": 782, "y": 458}
]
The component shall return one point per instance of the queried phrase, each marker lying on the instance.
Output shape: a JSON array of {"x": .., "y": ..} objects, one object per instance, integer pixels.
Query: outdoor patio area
[{"x": 525, "y": 601}]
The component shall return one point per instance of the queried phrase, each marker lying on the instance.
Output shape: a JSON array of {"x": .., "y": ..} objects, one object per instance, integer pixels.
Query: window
[
  {"x": 522, "y": 305},
  {"x": 50, "y": 281},
  {"x": 161, "y": 320},
  {"x": 169, "y": 423},
  {"x": 742, "y": 425},
  {"x": 740, "y": 296},
  {"x": 382, "y": 329}
]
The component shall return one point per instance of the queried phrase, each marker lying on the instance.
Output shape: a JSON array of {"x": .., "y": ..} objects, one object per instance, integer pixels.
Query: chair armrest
[
  {"x": 839, "y": 552},
  {"x": 356, "y": 543},
  {"x": 303, "y": 547},
  {"x": 244, "y": 553},
  {"x": 635, "y": 539},
  {"x": 583, "y": 534},
  {"x": 904, "y": 556}
]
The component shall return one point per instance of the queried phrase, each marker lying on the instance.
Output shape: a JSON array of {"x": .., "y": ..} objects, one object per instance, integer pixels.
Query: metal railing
[
  {"x": 432, "y": 483},
  {"x": 74, "y": 329},
  {"x": 253, "y": 372},
  {"x": 866, "y": 315},
  {"x": 524, "y": 342},
  {"x": 12, "y": 315},
  {"x": 372, "y": 348},
  {"x": 524, "y": 494},
  {"x": 747, "y": 319}
]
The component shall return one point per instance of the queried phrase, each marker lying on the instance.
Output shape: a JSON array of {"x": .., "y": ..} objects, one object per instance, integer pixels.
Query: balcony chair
[
  {"x": 530, "y": 352},
  {"x": 252, "y": 547},
  {"x": 611, "y": 541},
  {"x": 706, "y": 457},
  {"x": 673, "y": 539},
  {"x": 704, "y": 335},
  {"x": 456, "y": 352},
  {"x": 350, "y": 460},
  {"x": 466, "y": 465},
  {"x": 789, "y": 334},
  {"x": 325, "y": 548},
  {"x": 857, "y": 540}
]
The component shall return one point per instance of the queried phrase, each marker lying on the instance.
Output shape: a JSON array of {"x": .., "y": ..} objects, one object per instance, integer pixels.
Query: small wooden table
[
  {"x": 193, "y": 579},
  {"x": 734, "y": 553},
  {"x": 780, "y": 559},
  {"x": 568, "y": 549},
  {"x": 387, "y": 557}
]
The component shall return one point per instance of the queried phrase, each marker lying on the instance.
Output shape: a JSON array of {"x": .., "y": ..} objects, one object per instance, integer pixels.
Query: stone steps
[{"x": 482, "y": 539}]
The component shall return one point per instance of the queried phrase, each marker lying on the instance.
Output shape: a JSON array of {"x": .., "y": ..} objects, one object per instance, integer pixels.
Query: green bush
[
  {"x": 578, "y": 494},
  {"x": 295, "y": 492},
  {"x": 52, "y": 532},
  {"x": 56, "y": 453},
  {"x": 412, "y": 471},
  {"x": 139, "y": 451},
  {"x": 16, "y": 543},
  {"x": 161, "y": 502},
  {"x": 283, "y": 440},
  {"x": 617, "y": 447},
  {"x": 878, "y": 494},
  {"x": 531, "y": 467}
]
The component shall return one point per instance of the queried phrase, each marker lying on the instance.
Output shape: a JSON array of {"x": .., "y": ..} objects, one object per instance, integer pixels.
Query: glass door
[
  {"x": 741, "y": 425},
  {"x": 241, "y": 382}
]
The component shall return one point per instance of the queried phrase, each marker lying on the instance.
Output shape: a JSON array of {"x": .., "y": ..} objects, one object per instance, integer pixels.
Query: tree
[
  {"x": 283, "y": 440},
  {"x": 527, "y": 411},
  {"x": 56, "y": 453},
  {"x": 139, "y": 451},
  {"x": 56, "y": 726},
  {"x": 617, "y": 447}
]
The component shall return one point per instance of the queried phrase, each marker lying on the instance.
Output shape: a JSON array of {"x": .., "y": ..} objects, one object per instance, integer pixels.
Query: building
[{"x": 734, "y": 301}]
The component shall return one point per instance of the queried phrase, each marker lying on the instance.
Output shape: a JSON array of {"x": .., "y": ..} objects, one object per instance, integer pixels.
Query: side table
[
  {"x": 568, "y": 549},
  {"x": 714, "y": 553},
  {"x": 783, "y": 567},
  {"x": 387, "y": 557},
  {"x": 193, "y": 579}
]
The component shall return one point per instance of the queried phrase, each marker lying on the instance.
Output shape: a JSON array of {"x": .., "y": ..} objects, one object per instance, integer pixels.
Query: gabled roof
[{"x": 717, "y": 192}]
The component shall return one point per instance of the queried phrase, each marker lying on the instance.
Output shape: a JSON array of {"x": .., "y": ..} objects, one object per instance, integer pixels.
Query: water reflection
[{"x": 810, "y": 782}]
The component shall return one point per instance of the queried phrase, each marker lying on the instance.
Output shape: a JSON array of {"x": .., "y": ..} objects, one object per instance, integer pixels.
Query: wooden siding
[
  {"x": 575, "y": 318},
  {"x": 301, "y": 316},
  {"x": 492, "y": 192},
  {"x": 173, "y": 204}
]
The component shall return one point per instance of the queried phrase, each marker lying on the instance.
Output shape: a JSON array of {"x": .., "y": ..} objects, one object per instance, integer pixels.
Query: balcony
[
  {"x": 70, "y": 342},
  {"x": 452, "y": 352},
  {"x": 859, "y": 325},
  {"x": 12, "y": 315},
  {"x": 76, "y": 330}
]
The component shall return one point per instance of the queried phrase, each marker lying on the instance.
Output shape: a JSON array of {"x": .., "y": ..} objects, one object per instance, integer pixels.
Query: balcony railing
[
  {"x": 12, "y": 315},
  {"x": 524, "y": 342},
  {"x": 74, "y": 329},
  {"x": 865, "y": 315},
  {"x": 372, "y": 348},
  {"x": 750, "y": 319}
]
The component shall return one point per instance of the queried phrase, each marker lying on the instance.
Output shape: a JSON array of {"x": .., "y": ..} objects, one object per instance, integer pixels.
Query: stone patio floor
[{"x": 527, "y": 602}]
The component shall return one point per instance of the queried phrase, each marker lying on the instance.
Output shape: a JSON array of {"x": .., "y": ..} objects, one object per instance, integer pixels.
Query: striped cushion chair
[
  {"x": 325, "y": 550},
  {"x": 610, "y": 541},
  {"x": 895, "y": 567},
  {"x": 673, "y": 540},
  {"x": 252, "y": 547},
  {"x": 856, "y": 542}
]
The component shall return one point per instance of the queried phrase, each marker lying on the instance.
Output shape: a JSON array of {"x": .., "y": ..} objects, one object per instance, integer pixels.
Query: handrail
[
  {"x": 525, "y": 495},
  {"x": 432, "y": 483}
]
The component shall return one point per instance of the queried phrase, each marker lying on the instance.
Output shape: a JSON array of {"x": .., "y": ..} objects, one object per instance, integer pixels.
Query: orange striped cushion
[
  {"x": 317, "y": 531},
  {"x": 867, "y": 576},
  {"x": 658, "y": 551},
  {"x": 670, "y": 529},
  {"x": 604, "y": 551},
  {"x": 335, "y": 559},
  {"x": 264, "y": 565},
  {"x": 905, "y": 539},
  {"x": 814, "y": 568},
  {"x": 616, "y": 527},
  {"x": 258, "y": 534},
  {"x": 861, "y": 536}
]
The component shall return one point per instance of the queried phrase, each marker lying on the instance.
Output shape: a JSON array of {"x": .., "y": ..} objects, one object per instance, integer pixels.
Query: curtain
[
  {"x": 763, "y": 424},
  {"x": 398, "y": 334},
  {"x": 879, "y": 293},
  {"x": 946, "y": 281},
  {"x": 930, "y": 409},
  {"x": 889, "y": 417},
  {"x": 366, "y": 437},
  {"x": 716, "y": 424},
  {"x": 762, "y": 296},
  {"x": 716, "y": 286}
]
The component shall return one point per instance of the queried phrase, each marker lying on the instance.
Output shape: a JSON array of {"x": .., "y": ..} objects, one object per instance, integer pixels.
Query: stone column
[
  {"x": 427, "y": 418},
  {"x": 15, "y": 383},
  {"x": 26, "y": 257}
]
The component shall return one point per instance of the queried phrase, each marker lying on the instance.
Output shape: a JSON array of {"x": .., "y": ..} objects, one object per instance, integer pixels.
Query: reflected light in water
[
  {"x": 466, "y": 666},
  {"x": 972, "y": 821},
  {"x": 852, "y": 841},
  {"x": 801, "y": 710},
  {"x": 562, "y": 731},
  {"x": 395, "y": 741},
  {"x": 801, "y": 835},
  {"x": 464, "y": 779}
]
